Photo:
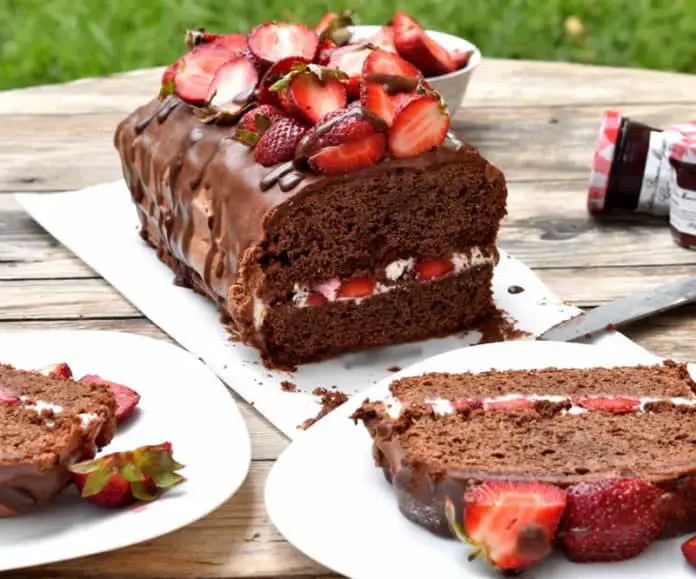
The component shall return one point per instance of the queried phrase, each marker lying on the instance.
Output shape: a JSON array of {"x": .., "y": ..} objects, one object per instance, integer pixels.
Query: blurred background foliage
[{"x": 47, "y": 41}]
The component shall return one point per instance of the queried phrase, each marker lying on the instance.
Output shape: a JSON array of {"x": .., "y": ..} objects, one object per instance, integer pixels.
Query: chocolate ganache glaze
[{"x": 205, "y": 203}]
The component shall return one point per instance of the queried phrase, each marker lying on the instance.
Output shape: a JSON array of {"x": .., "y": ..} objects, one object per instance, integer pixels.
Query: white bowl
[{"x": 451, "y": 86}]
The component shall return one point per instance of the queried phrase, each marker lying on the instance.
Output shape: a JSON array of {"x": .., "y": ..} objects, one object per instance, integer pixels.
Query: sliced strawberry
[
  {"x": 316, "y": 299},
  {"x": 168, "y": 75},
  {"x": 340, "y": 127},
  {"x": 611, "y": 520},
  {"x": 351, "y": 156},
  {"x": 324, "y": 52},
  {"x": 428, "y": 269},
  {"x": 196, "y": 71},
  {"x": 350, "y": 59},
  {"x": 617, "y": 405},
  {"x": 126, "y": 398},
  {"x": 359, "y": 287},
  {"x": 384, "y": 39},
  {"x": 461, "y": 57},
  {"x": 519, "y": 403},
  {"x": 61, "y": 370},
  {"x": 420, "y": 125},
  {"x": 334, "y": 27},
  {"x": 277, "y": 72},
  {"x": 121, "y": 478},
  {"x": 275, "y": 41},
  {"x": 413, "y": 44},
  {"x": 688, "y": 549},
  {"x": 8, "y": 398},
  {"x": 278, "y": 143},
  {"x": 312, "y": 96},
  {"x": 233, "y": 85},
  {"x": 236, "y": 42},
  {"x": 512, "y": 523},
  {"x": 261, "y": 117},
  {"x": 388, "y": 82}
]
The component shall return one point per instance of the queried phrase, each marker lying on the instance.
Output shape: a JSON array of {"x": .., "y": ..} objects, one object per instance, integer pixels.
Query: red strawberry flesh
[
  {"x": 384, "y": 39},
  {"x": 428, "y": 269},
  {"x": 509, "y": 404},
  {"x": 388, "y": 83},
  {"x": 316, "y": 299},
  {"x": 325, "y": 21},
  {"x": 273, "y": 75},
  {"x": 413, "y": 44},
  {"x": 61, "y": 370},
  {"x": 350, "y": 157},
  {"x": 313, "y": 99},
  {"x": 126, "y": 398},
  {"x": 461, "y": 58},
  {"x": 617, "y": 404},
  {"x": 269, "y": 112},
  {"x": 360, "y": 287},
  {"x": 688, "y": 549},
  {"x": 275, "y": 41},
  {"x": 512, "y": 522},
  {"x": 611, "y": 520},
  {"x": 8, "y": 398},
  {"x": 420, "y": 125},
  {"x": 196, "y": 71},
  {"x": 233, "y": 84},
  {"x": 350, "y": 59}
]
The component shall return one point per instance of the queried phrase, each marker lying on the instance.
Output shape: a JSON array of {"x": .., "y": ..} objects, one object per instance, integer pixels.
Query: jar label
[
  {"x": 682, "y": 215},
  {"x": 655, "y": 189}
]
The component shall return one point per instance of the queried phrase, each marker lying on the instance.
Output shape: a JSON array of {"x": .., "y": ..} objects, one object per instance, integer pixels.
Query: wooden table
[{"x": 537, "y": 121}]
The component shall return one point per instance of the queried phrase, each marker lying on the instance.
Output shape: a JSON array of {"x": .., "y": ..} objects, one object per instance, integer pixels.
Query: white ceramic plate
[
  {"x": 327, "y": 498},
  {"x": 182, "y": 401}
]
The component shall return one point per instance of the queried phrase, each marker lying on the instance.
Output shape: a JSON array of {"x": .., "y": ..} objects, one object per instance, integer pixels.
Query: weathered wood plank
[
  {"x": 237, "y": 540},
  {"x": 532, "y": 144},
  {"x": 547, "y": 226},
  {"x": 497, "y": 82},
  {"x": 93, "y": 298}
]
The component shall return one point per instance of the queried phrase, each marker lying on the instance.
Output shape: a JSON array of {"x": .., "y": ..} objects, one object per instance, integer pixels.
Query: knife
[{"x": 622, "y": 311}]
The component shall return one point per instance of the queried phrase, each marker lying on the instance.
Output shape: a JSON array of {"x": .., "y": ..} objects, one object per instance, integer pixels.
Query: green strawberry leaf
[
  {"x": 457, "y": 529},
  {"x": 141, "y": 492},
  {"x": 262, "y": 123},
  {"x": 133, "y": 473},
  {"x": 166, "y": 480},
  {"x": 96, "y": 481},
  {"x": 248, "y": 138},
  {"x": 86, "y": 466}
]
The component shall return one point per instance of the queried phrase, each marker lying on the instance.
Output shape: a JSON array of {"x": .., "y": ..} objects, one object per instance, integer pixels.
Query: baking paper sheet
[{"x": 100, "y": 226}]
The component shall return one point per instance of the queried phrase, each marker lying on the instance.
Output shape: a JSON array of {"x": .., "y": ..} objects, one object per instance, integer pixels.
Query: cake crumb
[
  {"x": 286, "y": 386},
  {"x": 330, "y": 400},
  {"x": 393, "y": 369}
]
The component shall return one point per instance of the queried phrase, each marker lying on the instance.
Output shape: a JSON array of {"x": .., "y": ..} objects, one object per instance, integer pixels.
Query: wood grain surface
[{"x": 537, "y": 121}]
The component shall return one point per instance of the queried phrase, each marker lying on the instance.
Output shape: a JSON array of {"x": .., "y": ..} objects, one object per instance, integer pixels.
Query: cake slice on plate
[
  {"x": 601, "y": 461},
  {"x": 320, "y": 218},
  {"x": 47, "y": 423}
]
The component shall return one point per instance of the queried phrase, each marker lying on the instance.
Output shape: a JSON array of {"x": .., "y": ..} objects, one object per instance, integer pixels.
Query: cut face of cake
[
  {"x": 441, "y": 435},
  {"x": 320, "y": 219},
  {"x": 46, "y": 425}
]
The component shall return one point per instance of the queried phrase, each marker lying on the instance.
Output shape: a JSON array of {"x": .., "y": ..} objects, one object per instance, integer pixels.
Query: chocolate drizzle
[
  {"x": 394, "y": 84},
  {"x": 168, "y": 106},
  {"x": 270, "y": 179}
]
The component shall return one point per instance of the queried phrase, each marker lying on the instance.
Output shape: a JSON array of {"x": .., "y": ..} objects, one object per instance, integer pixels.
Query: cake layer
[
  {"x": 46, "y": 425},
  {"x": 246, "y": 234},
  {"x": 438, "y": 434},
  {"x": 35, "y": 452},
  {"x": 292, "y": 335},
  {"x": 668, "y": 380}
]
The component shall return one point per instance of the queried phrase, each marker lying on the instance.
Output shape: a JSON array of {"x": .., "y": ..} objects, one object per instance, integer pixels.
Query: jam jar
[
  {"x": 682, "y": 216},
  {"x": 629, "y": 166}
]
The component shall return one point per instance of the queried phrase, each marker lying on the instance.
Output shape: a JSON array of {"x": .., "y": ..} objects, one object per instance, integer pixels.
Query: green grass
[{"x": 45, "y": 41}]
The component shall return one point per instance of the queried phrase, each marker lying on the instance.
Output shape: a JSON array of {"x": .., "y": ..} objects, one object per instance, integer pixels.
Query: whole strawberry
[
  {"x": 689, "y": 551},
  {"x": 275, "y": 144},
  {"x": 611, "y": 520},
  {"x": 268, "y": 113},
  {"x": 122, "y": 478}
]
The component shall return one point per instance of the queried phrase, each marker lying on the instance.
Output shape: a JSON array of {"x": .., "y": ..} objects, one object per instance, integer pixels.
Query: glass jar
[
  {"x": 682, "y": 218},
  {"x": 631, "y": 161}
]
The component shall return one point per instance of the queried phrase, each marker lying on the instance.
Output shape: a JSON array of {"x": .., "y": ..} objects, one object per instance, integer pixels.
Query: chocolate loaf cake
[
  {"x": 46, "y": 425},
  {"x": 351, "y": 242},
  {"x": 440, "y": 435}
]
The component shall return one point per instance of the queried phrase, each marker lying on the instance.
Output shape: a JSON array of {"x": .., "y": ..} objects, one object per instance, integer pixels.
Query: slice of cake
[
  {"x": 47, "y": 424},
  {"x": 592, "y": 433},
  {"x": 321, "y": 215}
]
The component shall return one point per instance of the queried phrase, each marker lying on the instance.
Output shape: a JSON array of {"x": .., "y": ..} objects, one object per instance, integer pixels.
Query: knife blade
[{"x": 624, "y": 310}]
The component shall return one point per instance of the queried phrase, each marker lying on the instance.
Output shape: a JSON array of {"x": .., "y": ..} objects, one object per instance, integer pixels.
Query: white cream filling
[
  {"x": 442, "y": 406},
  {"x": 38, "y": 406},
  {"x": 394, "y": 271},
  {"x": 259, "y": 313}
]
